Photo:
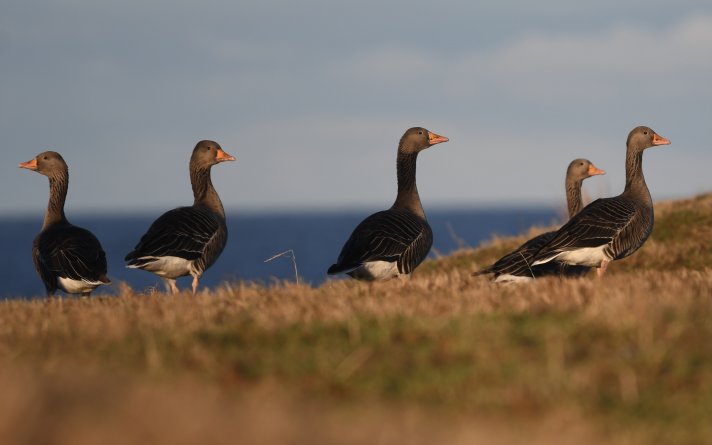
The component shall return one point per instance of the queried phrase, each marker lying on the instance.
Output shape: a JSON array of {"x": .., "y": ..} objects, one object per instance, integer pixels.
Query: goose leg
[
  {"x": 195, "y": 284},
  {"x": 602, "y": 268},
  {"x": 171, "y": 285}
]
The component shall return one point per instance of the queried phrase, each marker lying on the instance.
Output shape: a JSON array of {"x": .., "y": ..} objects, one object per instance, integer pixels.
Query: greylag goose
[
  {"x": 66, "y": 257},
  {"x": 609, "y": 228},
  {"x": 517, "y": 265},
  {"x": 393, "y": 242},
  {"x": 187, "y": 240}
]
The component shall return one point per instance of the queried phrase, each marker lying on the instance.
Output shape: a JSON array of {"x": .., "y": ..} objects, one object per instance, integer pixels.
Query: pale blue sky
[{"x": 312, "y": 97}]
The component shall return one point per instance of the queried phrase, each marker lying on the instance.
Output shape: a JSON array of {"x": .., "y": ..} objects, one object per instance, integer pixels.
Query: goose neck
[
  {"x": 574, "y": 201},
  {"x": 204, "y": 193},
  {"x": 408, "y": 197},
  {"x": 635, "y": 180},
  {"x": 58, "y": 186}
]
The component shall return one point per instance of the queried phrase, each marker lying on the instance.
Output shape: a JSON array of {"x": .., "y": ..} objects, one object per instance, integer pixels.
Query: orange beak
[
  {"x": 30, "y": 165},
  {"x": 436, "y": 138},
  {"x": 593, "y": 171},
  {"x": 659, "y": 140},
  {"x": 222, "y": 156}
]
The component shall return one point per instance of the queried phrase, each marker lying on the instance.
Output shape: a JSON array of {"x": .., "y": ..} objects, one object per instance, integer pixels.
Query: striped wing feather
[
  {"x": 616, "y": 222},
  {"x": 391, "y": 235},
  {"x": 519, "y": 261}
]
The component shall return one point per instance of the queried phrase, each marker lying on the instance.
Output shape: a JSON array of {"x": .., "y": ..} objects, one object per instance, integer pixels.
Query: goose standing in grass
[
  {"x": 517, "y": 265},
  {"x": 187, "y": 240},
  {"x": 393, "y": 242},
  {"x": 66, "y": 257},
  {"x": 609, "y": 228}
]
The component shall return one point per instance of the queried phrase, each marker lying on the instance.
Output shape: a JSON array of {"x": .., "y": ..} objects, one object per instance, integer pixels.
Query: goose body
[
  {"x": 66, "y": 257},
  {"x": 609, "y": 228},
  {"x": 385, "y": 245},
  {"x": 187, "y": 240},
  {"x": 393, "y": 242},
  {"x": 517, "y": 265}
]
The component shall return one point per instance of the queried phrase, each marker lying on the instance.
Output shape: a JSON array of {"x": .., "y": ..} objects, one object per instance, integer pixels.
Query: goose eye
[
  {"x": 45, "y": 158},
  {"x": 645, "y": 132},
  {"x": 420, "y": 132}
]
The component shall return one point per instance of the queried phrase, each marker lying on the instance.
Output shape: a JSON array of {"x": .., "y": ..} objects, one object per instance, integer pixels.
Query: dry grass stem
[{"x": 290, "y": 254}]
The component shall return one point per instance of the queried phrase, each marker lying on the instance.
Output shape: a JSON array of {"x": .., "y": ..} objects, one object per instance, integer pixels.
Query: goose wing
[
  {"x": 519, "y": 261},
  {"x": 185, "y": 232},
  {"x": 393, "y": 235},
  {"x": 69, "y": 252},
  {"x": 604, "y": 222}
]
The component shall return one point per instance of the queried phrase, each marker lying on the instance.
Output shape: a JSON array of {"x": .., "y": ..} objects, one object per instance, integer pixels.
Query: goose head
[
  {"x": 643, "y": 137},
  {"x": 208, "y": 153},
  {"x": 417, "y": 139},
  {"x": 580, "y": 169},
  {"x": 48, "y": 163}
]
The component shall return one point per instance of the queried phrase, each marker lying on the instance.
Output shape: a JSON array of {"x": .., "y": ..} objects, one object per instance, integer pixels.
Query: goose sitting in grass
[{"x": 517, "y": 265}]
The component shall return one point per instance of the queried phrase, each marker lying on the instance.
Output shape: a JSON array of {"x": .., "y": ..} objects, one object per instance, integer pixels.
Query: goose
[
  {"x": 516, "y": 265},
  {"x": 187, "y": 240},
  {"x": 66, "y": 257},
  {"x": 392, "y": 242},
  {"x": 609, "y": 228}
]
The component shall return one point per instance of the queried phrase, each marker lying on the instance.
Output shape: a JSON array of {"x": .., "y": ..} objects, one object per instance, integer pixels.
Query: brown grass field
[{"x": 443, "y": 358}]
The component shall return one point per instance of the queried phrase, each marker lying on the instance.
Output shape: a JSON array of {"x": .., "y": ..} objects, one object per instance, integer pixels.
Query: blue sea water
[{"x": 315, "y": 238}]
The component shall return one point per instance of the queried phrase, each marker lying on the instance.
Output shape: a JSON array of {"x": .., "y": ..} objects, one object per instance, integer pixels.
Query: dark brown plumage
[
  {"x": 517, "y": 265},
  {"x": 66, "y": 257},
  {"x": 609, "y": 228},
  {"x": 395, "y": 241},
  {"x": 187, "y": 240}
]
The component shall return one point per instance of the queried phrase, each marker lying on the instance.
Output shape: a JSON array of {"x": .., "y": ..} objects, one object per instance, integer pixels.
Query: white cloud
[
  {"x": 572, "y": 67},
  {"x": 626, "y": 59}
]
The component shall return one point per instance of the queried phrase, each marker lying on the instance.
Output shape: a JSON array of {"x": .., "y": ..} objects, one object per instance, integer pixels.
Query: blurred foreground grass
[{"x": 443, "y": 358}]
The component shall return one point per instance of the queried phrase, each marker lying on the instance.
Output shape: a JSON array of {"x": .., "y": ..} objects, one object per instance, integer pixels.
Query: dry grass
[
  {"x": 442, "y": 358},
  {"x": 76, "y": 410}
]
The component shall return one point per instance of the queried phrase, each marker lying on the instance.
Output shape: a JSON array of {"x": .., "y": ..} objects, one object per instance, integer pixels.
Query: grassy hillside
[{"x": 442, "y": 358}]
